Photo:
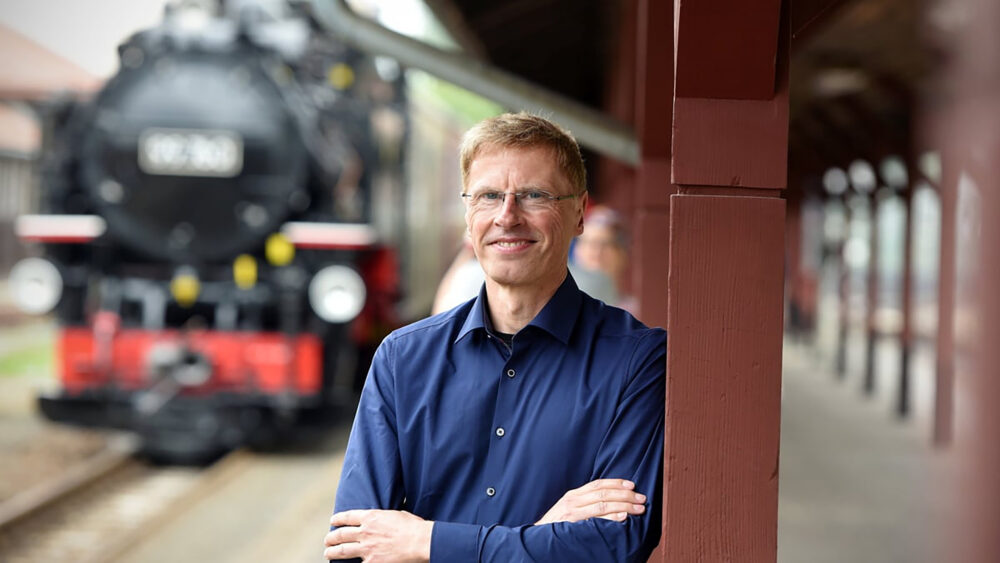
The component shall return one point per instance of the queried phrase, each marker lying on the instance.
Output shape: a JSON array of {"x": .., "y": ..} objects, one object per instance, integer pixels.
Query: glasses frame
[{"x": 519, "y": 195}]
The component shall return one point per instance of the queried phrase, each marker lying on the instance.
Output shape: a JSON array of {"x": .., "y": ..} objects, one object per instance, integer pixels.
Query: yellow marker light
[
  {"x": 185, "y": 288},
  {"x": 341, "y": 76},
  {"x": 278, "y": 250},
  {"x": 245, "y": 271}
]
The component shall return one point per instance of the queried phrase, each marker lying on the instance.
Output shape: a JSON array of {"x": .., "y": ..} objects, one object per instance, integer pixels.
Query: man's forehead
[{"x": 493, "y": 163}]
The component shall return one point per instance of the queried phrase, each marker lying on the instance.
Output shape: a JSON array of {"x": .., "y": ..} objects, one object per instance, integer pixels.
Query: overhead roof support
[{"x": 591, "y": 127}]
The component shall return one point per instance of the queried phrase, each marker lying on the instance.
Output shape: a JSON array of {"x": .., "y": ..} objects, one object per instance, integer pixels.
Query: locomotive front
[{"x": 206, "y": 243}]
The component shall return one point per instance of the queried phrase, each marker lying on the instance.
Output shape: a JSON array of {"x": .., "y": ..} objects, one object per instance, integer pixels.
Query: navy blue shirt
[{"x": 457, "y": 427}]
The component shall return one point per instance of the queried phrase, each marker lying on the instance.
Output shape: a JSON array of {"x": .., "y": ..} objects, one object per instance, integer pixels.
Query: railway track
[
  {"x": 268, "y": 506},
  {"x": 95, "y": 510}
]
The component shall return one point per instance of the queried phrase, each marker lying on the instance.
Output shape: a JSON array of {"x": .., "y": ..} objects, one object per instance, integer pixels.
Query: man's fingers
[
  {"x": 604, "y": 509},
  {"x": 610, "y": 495},
  {"x": 346, "y": 534},
  {"x": 608, "y": 484},
  {"x": 613, "y": 499},
  {"x": 348, "y": 518},
  {"x": 343, "y": 551}
]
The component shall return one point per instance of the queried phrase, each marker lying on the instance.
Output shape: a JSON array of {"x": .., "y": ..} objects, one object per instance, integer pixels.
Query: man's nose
[{"x": 509, "y": 212}]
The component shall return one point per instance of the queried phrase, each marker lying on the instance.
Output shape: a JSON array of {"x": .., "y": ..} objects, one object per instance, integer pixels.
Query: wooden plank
[
  {"x": 652, "y": 231},
  {"x": 723, "y": 378},
  {"x": 944, "y": 380},
  {"x": 654, "y": 78},
  {"x": 725, "y": 48},
  {"x": 731, "y": 142}
]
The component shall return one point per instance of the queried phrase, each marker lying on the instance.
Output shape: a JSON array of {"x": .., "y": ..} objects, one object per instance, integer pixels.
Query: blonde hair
[{"x": 524, "y": 130}]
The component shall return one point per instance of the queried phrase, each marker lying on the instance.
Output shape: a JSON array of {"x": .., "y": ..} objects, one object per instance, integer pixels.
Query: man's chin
[{"x": 506, "y": 281}]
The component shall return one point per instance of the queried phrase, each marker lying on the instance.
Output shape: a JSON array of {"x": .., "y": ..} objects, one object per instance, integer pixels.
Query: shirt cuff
[{"x": 451, "y": 541}]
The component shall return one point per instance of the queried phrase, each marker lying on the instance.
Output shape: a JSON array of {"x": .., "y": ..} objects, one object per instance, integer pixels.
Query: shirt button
[
  {"x": 490, "y": 491},
  {"x": 511, "y": 373},
  {"x": 500, "y": 432}
]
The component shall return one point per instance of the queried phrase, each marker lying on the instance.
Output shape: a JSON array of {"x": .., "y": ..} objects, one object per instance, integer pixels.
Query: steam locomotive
[{"x": 210, "y": 247}]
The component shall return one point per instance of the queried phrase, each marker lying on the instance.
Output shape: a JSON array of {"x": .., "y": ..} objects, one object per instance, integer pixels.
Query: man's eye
[
  {"x": 489, "y": 196},
  {"x": 535, "y": 194}
]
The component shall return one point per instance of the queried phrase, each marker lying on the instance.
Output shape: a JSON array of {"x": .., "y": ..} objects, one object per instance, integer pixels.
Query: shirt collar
[{"x": 557, "y": 317}]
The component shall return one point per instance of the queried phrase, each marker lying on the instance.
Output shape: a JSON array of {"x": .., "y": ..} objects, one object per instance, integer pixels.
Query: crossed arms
[
  {"x": 606, "y": 519},
  {"x": 396, "y": 535}
]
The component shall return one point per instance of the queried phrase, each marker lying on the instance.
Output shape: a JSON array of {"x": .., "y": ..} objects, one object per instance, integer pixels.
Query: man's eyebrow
[{"x": 524, "y": 188}]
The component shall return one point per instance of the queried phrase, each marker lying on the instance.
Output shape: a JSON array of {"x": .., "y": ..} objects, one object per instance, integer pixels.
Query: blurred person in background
[
  {"x": 526, "y": 423},
  {"x": 603, "y": 247}
]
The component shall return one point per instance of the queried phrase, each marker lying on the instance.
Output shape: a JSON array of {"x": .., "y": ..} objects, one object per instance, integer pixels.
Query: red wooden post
[
  {"x": 843, "y": 294},
  {"x": 906, "y": 331},
  {"x": 944, "y": 382},
  {"x": 653, "y": 115},
  {"x": 871, "y": 307},
  {"x": 725, "y": 283},
  {"x": 971, "y": 143},
  {"x": 653, "y": 89},
  {"x": 615, "y": 181}
]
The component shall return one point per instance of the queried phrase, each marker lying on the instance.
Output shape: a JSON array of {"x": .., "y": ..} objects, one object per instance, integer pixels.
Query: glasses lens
[
  {"x": 533, "y": 200},
  {"x": 528, "y": 200}
]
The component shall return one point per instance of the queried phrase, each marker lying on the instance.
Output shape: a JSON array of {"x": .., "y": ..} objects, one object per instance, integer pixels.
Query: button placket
[{"x": 500, "y": 441}]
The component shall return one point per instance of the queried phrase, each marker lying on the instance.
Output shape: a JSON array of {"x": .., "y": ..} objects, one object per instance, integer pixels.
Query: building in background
[{"x": 30, "y": 74}]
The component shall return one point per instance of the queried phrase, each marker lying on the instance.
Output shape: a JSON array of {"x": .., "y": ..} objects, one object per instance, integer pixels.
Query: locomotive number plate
[{"x": 190, "y": 152}]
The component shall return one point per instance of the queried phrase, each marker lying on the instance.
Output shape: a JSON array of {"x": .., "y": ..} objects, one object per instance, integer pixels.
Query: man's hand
[
  {"x": 379, "y": 535},
  {"x": 611, "y": 499}
]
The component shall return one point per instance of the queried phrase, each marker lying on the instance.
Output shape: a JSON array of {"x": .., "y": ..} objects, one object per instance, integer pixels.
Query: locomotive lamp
[
  {"x": 341, "y": 76},
  {"x": 185, "y": 287},
  {"x": 278, "y": 250},
  {"x": 35, "y": 285},
  {"x": 245, "y": 271},
  {"x": 337, "y": 294}
]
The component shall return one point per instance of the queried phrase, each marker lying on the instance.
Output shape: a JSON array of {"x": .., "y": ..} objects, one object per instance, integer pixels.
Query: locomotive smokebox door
[{"x": 193, "y": 156}]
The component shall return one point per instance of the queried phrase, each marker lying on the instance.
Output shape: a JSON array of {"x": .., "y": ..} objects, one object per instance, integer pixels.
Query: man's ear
[{"x": 583, "y": 208}]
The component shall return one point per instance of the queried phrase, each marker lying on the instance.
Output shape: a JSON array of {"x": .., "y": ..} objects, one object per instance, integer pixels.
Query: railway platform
[{"x": 856, "y": 484}]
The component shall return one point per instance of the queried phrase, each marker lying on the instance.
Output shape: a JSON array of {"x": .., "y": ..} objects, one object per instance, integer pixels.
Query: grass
[{"x": 34, "y": 358}]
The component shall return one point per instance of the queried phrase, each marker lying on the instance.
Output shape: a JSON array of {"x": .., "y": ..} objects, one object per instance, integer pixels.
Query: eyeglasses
[{"x": 529, "y": 200}]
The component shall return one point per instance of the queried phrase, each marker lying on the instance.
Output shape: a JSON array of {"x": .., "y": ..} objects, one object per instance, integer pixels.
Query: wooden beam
[
  {"x": 944, "y": 380},
  {"x": 725, "y": 49},
  {"x": 970, "y": 143},
  {"x": 739, "y": 143},
  {"x": 723, "y": 378},
  {"x": 725, "y": 298},
  {"x": 654, "y": 114}
]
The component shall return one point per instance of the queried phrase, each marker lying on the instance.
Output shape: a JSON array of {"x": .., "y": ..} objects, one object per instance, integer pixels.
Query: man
[{"x": 526, "y": 424}]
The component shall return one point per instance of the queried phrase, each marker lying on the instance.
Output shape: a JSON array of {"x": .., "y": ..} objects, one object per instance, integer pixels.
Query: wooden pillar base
[{"x": 723, "y": 378}]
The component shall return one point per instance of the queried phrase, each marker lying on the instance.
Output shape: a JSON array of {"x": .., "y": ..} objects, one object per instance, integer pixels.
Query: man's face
[{"x": 518, "y": 247}]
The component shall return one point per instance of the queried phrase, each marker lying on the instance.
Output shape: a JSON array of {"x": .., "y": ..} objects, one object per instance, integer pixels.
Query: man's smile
[{"x": 512, "y": 244}]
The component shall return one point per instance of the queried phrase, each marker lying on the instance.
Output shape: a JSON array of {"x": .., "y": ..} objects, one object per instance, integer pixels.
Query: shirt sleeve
[
  {"x": 372, "y": 472},
  {"x": 632, "y": 449}
]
